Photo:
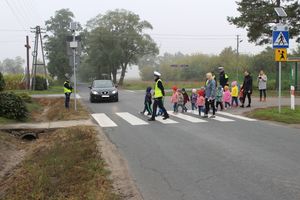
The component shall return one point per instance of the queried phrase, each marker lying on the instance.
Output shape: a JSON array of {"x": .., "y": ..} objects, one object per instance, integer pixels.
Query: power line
[{"x": 14, "y": 13}]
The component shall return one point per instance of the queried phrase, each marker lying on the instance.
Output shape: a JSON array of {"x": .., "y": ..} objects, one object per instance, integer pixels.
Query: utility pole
[
  {"x": 74, "y": 46},
  {"x": 38, "y": 41},
  {"x": 238, "y": 41},
  {"x": 27, "y": 46}
]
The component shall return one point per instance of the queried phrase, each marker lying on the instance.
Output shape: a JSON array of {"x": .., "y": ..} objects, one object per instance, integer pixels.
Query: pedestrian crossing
[{"x": 107, "y": 120}]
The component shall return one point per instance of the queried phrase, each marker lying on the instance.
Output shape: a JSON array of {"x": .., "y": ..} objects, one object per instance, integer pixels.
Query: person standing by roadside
[
  {"x": 247, "y": 88},
  {"x": 68, "y": 91},
  {"x": 262, "y": 85},
  {"x": 210, "y": 95},
  {"x": 223, "y": 78},
  {"x": 159, "y": 93}
]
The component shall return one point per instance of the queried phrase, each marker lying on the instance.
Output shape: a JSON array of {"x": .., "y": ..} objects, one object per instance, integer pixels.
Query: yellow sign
[{"x": 281, "y": 55}]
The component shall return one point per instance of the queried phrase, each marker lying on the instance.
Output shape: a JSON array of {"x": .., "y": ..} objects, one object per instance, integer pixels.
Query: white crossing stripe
[
  {"x": 237, "y": 116},
  {"x": 217, "y": 118},
  {"x": 103, "y": 120},
  {"x": 186, "y": 117},
  {"x": 131, "y": 119},
  {"x": 167, "y": 121}
]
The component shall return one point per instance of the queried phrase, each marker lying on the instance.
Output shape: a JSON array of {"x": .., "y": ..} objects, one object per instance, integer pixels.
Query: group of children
[{"x": 225, "y": 98}]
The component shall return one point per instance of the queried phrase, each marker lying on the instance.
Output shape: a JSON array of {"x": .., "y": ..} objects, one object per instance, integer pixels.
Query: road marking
[
  {"x": 217, "y": 118},
  {"x": 131, "y": 119},
  {"x": 103, "y": 120},
  {"x": 130, "y": 91},
  {"x": 167, "y": 121},
  {"x": 187, "y": 117},
  {"x": 237, "y": 116}
]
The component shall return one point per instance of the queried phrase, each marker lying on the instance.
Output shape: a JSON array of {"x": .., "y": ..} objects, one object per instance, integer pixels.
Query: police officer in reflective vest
[
  {"x": 159, "y": 93},
  {"x": 68, "y": 91},
  {"x": 223, "y": 77}
]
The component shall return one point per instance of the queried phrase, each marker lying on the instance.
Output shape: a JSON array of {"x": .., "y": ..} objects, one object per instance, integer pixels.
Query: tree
[
  {"x": 56, "y": 46},
  {"x": 12, "y": 66},
  {"x": 122, "y": 38},
  {"x": 258, "y": 17},
  {"x": 2, "y": 82}
]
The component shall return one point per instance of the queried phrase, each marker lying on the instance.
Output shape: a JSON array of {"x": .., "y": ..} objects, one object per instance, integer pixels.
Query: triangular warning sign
[{"x": 281, "y": 40}]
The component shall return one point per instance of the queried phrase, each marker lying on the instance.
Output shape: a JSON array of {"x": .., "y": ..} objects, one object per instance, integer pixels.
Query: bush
[
  {"x": 2, "y": 82},
  {"x": 14, "y": 82},
  {"x": 40, "y": 83},
  {"x": 25, "y": 97},
  {"x": 12, "y": 106}
]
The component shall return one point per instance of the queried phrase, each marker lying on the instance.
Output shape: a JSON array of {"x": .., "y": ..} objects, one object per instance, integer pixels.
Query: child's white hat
[{"x": 156, "y": 73}]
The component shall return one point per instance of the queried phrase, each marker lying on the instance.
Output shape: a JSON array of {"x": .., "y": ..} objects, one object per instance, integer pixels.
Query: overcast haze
[{"x": 188, "y": 26}]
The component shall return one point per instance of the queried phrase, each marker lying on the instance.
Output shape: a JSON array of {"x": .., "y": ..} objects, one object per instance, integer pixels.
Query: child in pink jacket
[
  {"x": 174, "y": 98},
  {"x": 227, "y": 97},
  {"x": 201, "y": 101}
]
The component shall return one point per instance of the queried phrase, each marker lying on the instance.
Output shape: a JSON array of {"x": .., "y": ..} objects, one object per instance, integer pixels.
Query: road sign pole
[{"x": 279, "y": 89}]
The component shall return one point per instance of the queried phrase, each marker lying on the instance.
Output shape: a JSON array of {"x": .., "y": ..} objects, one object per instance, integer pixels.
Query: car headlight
[
  {"x": 95, "y": 92},
  {"x": 114, "y": 92}
]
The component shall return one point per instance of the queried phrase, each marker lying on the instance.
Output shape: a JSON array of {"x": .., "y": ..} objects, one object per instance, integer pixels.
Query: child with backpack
[
  {"x": 194, "y": 99},
  {"x": 234, "y": 93},
  {"x": 219, "y": 98},
  {"x": 201, "y": 101},
  {"x": 186, "y": 99},
  {"x": 148, "y": 102},
  {"x": 241, "y": 95},
  {"x": 180, "y": 101},
  {"x": 227, "y": 97}
]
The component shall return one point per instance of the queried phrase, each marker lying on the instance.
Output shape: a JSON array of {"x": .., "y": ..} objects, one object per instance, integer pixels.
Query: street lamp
[
  {"x": 281, "y": 14},
  {"x": 74, "y": 46}
]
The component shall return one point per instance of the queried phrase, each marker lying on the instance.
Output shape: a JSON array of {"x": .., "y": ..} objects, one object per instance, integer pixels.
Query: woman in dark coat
[{"x": 247, "y": 87}]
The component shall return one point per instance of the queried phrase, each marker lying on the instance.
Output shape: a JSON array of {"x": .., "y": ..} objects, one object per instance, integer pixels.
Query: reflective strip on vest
[
  {"x": 66, "y": 90},
  {"x": 157, "y": 91}
]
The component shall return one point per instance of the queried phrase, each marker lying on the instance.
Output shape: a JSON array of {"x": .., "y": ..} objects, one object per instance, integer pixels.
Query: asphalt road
[{"x": 236, "y": 160}]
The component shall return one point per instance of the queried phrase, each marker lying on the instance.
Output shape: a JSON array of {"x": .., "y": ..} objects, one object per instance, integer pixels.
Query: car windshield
[{"x": 103, "y": 84}]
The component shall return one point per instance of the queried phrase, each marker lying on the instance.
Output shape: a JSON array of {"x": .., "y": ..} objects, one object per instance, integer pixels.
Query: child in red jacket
[{"x": 186, "y": 99}]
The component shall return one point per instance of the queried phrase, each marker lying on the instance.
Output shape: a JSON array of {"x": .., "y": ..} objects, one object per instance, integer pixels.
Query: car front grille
[{"x": 105, "y": 92}]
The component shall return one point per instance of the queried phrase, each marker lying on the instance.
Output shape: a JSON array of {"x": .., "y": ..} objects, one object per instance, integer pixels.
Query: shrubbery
[
  {"x": 14, "y": 82},
  {"x": 12, "y": 106},
  {"x": 2, "y": 82},
  {"x": 25, "y": 97},
  {"x": 40, "y": 83}
]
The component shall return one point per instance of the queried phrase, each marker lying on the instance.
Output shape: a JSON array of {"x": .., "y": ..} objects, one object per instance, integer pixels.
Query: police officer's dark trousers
[
  {"x": 67, "y": 100},
  {"x": 158, "y": 102}
]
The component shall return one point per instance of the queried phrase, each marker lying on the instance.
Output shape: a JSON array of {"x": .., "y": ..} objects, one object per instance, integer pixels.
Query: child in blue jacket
[{"x": 148, "y": 102}]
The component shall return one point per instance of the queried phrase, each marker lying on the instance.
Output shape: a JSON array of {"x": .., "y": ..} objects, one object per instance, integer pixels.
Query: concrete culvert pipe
[{"x": 29, "y": 136}]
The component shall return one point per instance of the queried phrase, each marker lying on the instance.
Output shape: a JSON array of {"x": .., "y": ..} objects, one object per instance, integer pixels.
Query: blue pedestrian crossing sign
[{"x": 280, "y": 39}]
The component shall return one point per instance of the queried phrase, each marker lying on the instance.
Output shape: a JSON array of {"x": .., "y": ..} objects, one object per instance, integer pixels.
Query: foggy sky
[{"x": 188, "y": 26}]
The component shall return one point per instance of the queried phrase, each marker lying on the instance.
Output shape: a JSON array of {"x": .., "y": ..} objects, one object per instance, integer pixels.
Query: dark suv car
[{"x": 103, "y": 90}]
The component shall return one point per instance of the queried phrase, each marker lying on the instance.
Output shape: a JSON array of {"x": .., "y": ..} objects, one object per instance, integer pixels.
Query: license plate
[{"x": 105, "y": 96}]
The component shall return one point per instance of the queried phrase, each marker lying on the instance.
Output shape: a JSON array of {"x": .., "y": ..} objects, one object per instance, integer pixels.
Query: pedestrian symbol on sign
[
  {"x": 280, "y": 40},
  {"x": 280, "y": 55}
]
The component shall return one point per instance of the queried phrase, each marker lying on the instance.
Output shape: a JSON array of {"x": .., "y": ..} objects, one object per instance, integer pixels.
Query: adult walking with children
[
  {"x": 210, "y": 95},
  {"x": 247, "y": 89},
  {"x": 159, "y": 93}
]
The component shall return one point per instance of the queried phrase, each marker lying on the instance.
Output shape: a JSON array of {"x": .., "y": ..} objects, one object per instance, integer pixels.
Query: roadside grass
[
  {"x": 142, "y": 85},
  {"x": 65, "y": 164},
  {"x": 287, "y": 115},
  {"x": 51, "y": 90},
  {"x": 32, "y": 107},
  {"x": 50, "y": 109},
  {"x": 53, "y": 109}
]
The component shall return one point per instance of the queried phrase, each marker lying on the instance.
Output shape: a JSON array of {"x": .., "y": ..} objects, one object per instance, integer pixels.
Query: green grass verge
[
  {"x": 142, "y": 85},
  {"x": 51, "y": 90},
  {"x": 65, "y": 164},
  {"x": 32, "y": 107},
  {"x": 287, "y": 115}
]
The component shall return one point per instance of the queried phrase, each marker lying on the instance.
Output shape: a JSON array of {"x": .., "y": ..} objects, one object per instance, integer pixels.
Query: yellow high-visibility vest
[
  {"x": 157, "y": 91},
  {"x": 66, "y": 90}
]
